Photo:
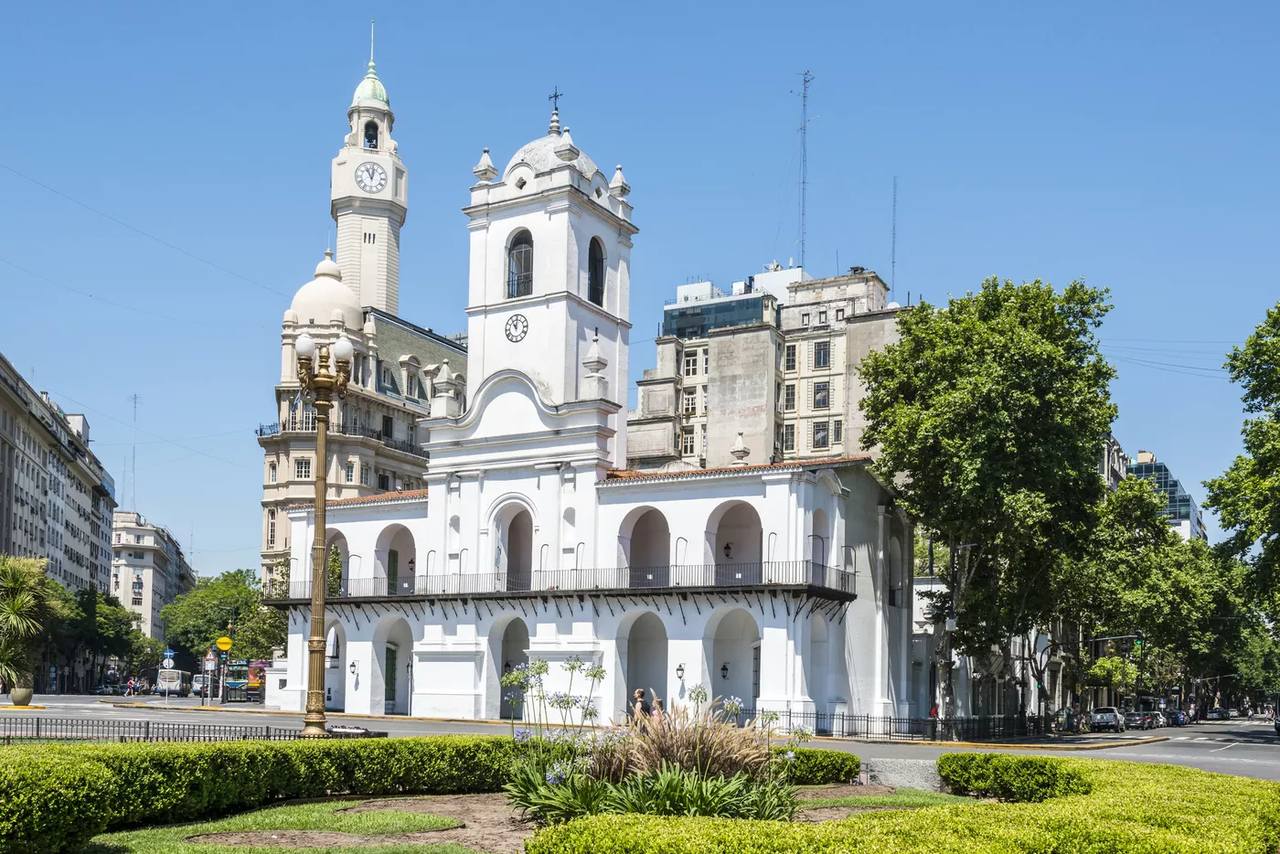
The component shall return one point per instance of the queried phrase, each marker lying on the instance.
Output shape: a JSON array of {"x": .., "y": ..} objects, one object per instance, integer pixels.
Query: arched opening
[
  {"x": 396, "y": 559},
  {"x": 512, "y": 654},
  {"x": 736, "y": 544},
  {"x": 520, "y": 265},
  {"x": 649, "y": 551},
  {"x": 644, "y": 659},
  {"x": 732, "y": 657},
  {"x": 337, "y": 565},
  {"x": 514, "y": 555},
  {"x": 595, "y": 272},
  {"x": 335, "y": 668},
  {"x": 819, "y": 547},
  {"x": 393, "y": 667},
  {"x": 817, "y": 663},
  {"x": 371, "y": 134}
]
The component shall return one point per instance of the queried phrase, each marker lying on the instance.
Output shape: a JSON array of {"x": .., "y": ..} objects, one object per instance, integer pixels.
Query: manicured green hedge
[
  {"x": 54, "y": 798},
  {"x": 811, "y": 766},
  {"x": 1084, "y": 807}
]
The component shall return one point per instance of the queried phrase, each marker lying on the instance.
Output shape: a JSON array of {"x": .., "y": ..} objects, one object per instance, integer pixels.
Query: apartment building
[
  {"x": 1180, "y": 508},
  {"x": 148, "y": 569},
  {"x": 56, "y": 497},
  {"x": 774, "y": 359}
]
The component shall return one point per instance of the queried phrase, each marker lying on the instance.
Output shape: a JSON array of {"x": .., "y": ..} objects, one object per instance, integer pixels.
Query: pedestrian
[
  {"x": 639, "y": 708},
  {"x": 657, "y": 709},
  {"x": 128, "y": 688}
]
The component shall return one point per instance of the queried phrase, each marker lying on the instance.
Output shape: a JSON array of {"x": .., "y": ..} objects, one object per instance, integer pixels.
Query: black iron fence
[
  {"x": 795, "y": 573},
  {"x": 24, "y": 729}
]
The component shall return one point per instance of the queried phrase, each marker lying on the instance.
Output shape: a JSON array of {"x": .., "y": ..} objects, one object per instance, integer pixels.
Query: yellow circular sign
[{"x": 223, "y": 643}]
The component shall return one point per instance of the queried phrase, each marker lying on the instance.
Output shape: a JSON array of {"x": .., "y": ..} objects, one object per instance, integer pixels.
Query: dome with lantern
[
  {"x": 553, "y": 150},
  {"x": 325, "y": 299}
]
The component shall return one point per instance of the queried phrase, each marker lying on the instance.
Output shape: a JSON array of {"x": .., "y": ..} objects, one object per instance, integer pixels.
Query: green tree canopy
[
  {"x": 196, "y": 619},
  {"x": 29, "y": 602}
]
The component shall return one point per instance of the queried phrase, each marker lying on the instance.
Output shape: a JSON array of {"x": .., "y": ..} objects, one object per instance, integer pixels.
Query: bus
[
  {"x": 173, "y": 682},
  {"x": 244, "y": 680}
]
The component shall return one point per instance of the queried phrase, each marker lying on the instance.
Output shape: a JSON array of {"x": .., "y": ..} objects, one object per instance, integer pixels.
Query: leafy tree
[
  {"x": 1247, "y": 495},
  {"x": 200, "y": 616},
  {"x": 259, "y": 632},
  {"x": 27, "y": 604},
  {"x": 333, "y": 572},
  {"x": 144, "y": 653},
  {"x": 989, "y": 414},
  {"x": 1114, "y": 671}
]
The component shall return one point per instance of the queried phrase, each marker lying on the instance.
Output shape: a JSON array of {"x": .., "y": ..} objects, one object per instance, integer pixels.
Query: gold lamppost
[{"x": 321, "y": 384}]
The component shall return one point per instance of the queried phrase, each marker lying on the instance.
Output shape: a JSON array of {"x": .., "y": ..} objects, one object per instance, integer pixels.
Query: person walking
[
  {"x": 639, "y": 707},
  {"x": 658, "y": 712}
]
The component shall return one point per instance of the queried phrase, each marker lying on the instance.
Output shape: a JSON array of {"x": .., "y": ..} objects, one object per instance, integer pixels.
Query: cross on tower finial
[{"x": 555, "y": 97}]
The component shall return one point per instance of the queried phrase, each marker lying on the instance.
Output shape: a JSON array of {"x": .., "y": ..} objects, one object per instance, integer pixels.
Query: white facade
[
  {"x": 148, "y": 569},
  {"x": 786, "y": 585}
]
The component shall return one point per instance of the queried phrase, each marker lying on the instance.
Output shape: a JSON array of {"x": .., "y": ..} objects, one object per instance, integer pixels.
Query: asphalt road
[{"x": 1242, "y": 747}]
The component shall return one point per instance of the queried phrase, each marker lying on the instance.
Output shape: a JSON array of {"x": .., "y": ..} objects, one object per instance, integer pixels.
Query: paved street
[{"x": 1247, "y": 748}]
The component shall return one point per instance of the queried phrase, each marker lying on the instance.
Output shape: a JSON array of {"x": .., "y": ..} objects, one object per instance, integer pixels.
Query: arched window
[
  {"x": 520, "y": 265},
  {"x": 595, "y": 272},
  {"x": 371, "y": 135}
]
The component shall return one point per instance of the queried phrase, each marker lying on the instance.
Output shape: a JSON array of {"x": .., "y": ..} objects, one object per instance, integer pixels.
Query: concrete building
[
  {"x": 56, "y": 497},
  {"x": 783, "y": 583},
  {"x": 1113, "y": 465},
  {"x": 1180, "y": 508},
  {"x": 372, "y": 432},
  {"x": 148, "y": 569},
  {"x": 774, "y": 360}
]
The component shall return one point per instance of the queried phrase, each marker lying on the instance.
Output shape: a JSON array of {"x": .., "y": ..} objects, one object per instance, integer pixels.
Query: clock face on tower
[
  {"x": 517, "y": 326},
  {"x": 371, "y": 177}
]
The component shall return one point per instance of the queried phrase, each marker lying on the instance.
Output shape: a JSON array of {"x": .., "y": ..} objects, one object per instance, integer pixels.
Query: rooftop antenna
[
  {"x": 893, "y": 241},
  {"x": 133, "y": 476},
  {"x": 372, "y": 21},
  {"x": 806, "y": 78}
]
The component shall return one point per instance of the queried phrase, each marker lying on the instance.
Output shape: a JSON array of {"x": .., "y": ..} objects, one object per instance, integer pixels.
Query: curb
[
  {"x": 1006, "y": 745},
  {"x": 12, "y": 708},
  {"x": 278, "y": 712}
]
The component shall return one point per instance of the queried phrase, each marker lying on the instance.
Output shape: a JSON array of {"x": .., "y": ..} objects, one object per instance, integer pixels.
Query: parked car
[
  {"x": 1135, "y": 720},
  {"x": 1178, "y": 718},
  {"x": 109, "y": 690},
  {"x": 1216, "y": 715},
  {"x": 1106, "y": 717},
  {"x": 1158, "y": 719}
]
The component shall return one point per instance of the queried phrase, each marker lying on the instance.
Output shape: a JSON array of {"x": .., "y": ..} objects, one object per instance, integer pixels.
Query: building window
[
  {"x": 822, "y": 395},
  {"x": 822, "y": 317},
  {"x": 271, "y": 473},
  {"x": 302, "y": 468},
  {"x": 839, "y": 314},
  {"x": 706, "y": 361},
  {"x": 690, "y": 402},
  {"x": 520, "y": 265},
  {"x": 837, "y": 432},
  {"x": 789, "y": 359},
  {"x": 788, "y": 437},
  {"x": 789, "y": 398},
  {"x": 371, "y": 135},
  {"x": 686, "y": 443},
  {"x": 822, "y": 354},
  {"x": 384, "y": 482},
  {"x": 388, "y": 427},
  {"x": 691, "y": 364},
  {"x": 820, "y": 435},
  {"x": 804, "y": 319},
  {"x": 364, "y": 474},
  {"x": 271, "y": 528},
  {"x": 350, "y": 472},
  {"x": 595, "y": 272}
]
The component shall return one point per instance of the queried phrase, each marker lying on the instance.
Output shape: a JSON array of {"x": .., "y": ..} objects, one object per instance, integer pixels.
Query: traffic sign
[
  {"x": 210, "y": 663},
  {"x": 223, "y": 643},
  {"x": 168, "y": 652},
  {"x": 167, "y": 663}
]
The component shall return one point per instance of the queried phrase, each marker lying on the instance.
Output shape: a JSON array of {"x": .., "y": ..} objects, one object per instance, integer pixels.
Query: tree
[
  {"x": 144, "y": 653},
  {"x": 333, "y": 572},
  {"x": 232, "y": 602},
  {"x": 1247, "y": 495},
  {"x": 989, "y": 415},
  {"x": 200, "y": 616},
  {"x": 27, "y": 604}
]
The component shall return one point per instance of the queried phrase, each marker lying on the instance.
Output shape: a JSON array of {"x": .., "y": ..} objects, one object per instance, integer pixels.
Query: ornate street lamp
[{"x": 321, "y": 385}]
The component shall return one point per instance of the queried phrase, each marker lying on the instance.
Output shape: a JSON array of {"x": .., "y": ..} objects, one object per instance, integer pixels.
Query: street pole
[{"x": 322, "y": 384}]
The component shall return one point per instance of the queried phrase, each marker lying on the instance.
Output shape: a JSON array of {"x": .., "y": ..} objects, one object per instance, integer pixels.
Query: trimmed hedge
[
  {"x": 57, "y": 797},
  {"x": 813, "y": 766},
  {"x": 1084, "y": 806}
]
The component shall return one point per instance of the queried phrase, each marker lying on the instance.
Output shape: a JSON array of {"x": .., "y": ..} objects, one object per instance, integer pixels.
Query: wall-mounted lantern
[
  {"x": 352, "y": 668},
  {"x": 680, "y": 672},
  {"x": 724, "y": 670},
  {"x": 728, "y": 550}
]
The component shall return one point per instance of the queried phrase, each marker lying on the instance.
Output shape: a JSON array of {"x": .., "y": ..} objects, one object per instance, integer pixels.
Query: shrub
[
  {"x": 1099, "y": 807},
  {"x": 55, "y": 798},
  {"x": 807, "y": 766}
]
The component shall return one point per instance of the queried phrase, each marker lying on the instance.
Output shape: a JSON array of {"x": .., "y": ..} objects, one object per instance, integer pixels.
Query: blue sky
[{"x": 184, "y": 156}]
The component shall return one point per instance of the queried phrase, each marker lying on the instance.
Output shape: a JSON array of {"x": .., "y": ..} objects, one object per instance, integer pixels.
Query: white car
[{"x": 1106, "y": 717}]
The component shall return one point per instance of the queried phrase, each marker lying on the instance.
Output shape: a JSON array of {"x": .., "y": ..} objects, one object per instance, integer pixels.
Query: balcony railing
[
  {"x": 346, "y": 429},
  {"x": 798, "y": 573}
]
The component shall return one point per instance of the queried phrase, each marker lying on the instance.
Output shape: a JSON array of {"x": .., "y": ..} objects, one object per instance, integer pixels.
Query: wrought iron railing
[
  {"x": 796, "y": 573},
  {"x": 346, "y": 429},
  {"x": 885, "y": 728}
]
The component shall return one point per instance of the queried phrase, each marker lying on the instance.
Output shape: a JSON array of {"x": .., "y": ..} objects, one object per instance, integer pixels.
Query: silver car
[{"x": 1106, "y": 717}]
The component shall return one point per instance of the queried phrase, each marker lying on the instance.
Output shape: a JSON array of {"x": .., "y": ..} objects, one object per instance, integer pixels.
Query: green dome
[{"x": 370, "y": 89}]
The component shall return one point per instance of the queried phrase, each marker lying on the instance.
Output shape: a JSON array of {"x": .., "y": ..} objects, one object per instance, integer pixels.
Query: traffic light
[{"x": 1137, "y": 641}]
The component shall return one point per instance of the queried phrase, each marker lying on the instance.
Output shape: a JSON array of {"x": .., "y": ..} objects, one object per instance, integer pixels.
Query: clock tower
[{"x": 369, "y": 192}]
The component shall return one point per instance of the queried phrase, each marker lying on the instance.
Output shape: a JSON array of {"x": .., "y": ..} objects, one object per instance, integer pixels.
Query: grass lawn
[
  {"x": 898, "y": 799},
  {"x": 327, "y": 816}
]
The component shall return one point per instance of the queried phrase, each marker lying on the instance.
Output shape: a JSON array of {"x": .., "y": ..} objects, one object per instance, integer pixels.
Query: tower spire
[
  {"x": 554, "y": 98},
  {"x": 372, "y": 21}
]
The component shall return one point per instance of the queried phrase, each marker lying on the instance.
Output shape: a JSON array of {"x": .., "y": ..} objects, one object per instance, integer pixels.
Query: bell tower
[{"x": 369, "y": 196}]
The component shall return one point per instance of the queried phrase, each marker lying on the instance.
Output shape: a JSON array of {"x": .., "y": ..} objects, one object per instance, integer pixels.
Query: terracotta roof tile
[
  {"x": 378, "y": 498},
  {"x": 633, "y": 474}
]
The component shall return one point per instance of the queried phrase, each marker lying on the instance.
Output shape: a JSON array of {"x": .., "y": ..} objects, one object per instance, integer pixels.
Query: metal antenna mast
[
  {"x": 806, "y": 78},
  {"x": 133, "y": 475},
  {"x": 893, "y": 241}
]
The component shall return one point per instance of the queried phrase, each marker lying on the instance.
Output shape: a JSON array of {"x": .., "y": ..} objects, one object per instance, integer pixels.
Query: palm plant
[{"x": 25, "y": 605}]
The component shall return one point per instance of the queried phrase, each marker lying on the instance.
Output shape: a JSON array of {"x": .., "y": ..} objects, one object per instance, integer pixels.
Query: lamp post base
[{"x": 313, "y": 727}]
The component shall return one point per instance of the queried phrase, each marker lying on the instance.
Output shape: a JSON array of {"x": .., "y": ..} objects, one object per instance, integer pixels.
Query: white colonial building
[{"x": 784, "y": 584}]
